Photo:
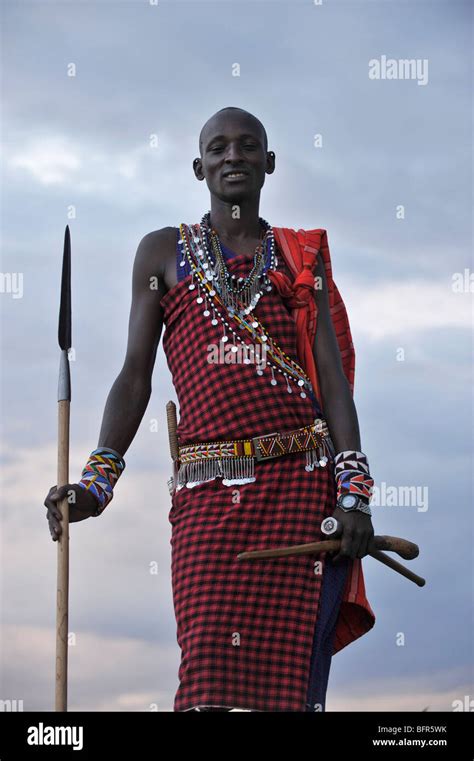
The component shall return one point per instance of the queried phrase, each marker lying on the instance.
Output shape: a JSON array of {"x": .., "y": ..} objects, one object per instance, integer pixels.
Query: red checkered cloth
[
  {"x": 245, "y": 628},
  {"x": 302, "y": 250}
]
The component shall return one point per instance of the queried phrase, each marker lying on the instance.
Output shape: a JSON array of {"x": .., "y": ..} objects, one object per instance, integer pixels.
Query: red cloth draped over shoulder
[{"x": 300, "y": 249}]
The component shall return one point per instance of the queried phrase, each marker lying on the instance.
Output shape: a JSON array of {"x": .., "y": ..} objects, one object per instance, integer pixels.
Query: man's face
[{"x": 233, "y": 157}]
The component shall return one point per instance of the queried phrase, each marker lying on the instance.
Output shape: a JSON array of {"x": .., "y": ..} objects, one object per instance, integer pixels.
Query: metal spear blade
[{"x": 64, "y": 328}]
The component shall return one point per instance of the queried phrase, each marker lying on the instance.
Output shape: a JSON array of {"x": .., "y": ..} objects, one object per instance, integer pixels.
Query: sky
[{"x": 102, "y": 104}]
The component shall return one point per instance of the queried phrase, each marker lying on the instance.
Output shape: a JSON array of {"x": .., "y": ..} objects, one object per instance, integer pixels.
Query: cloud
[
  {"x": 118, "y": 561},
  {"x": 94, "y": 167},
  {"x": 49, "y": 160},
  {"x": 403, "y": 309},
  {"x": 105, "y": 673}
]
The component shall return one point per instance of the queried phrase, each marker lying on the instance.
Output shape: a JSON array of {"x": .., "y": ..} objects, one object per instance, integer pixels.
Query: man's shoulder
[
  {"x": 159, "y": 239},
  {"x": 295, "y": 239},
  {"x": 157, "y": 246}
]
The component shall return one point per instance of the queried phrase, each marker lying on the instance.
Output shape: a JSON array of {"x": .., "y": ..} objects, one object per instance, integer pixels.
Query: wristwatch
[{"x": 349, "y": 502}]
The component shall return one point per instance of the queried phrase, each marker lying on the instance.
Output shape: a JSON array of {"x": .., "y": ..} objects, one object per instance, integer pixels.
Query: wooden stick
[
  {"x": 396, "y": 566},
  {"x": 172, "y": 426},
  {"x": 334, "y": 545},
  {"x": 404, "y": 548},
  {"x": 172, "y": 422},
  {"x": 62, "y": 596}
]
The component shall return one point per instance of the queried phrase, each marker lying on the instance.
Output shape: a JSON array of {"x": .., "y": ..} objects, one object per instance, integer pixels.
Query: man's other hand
[{"x": 357, "y": 531}]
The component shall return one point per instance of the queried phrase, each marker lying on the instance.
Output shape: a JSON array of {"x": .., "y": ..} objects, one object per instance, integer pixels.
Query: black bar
[{"x": 312, "y": 737}]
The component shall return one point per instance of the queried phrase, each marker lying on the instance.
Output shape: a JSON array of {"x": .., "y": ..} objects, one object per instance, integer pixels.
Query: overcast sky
[{"x": 391, "y": 183}]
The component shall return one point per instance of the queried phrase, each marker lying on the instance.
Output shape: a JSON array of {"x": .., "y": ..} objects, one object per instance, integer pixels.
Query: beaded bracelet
[
  {"x": 351, "y": 470},
  {"x": 100, "y": 474}
]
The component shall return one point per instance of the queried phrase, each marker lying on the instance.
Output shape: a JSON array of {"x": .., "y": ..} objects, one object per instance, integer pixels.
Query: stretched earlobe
[
  {"x": 197, "y": 171},
  {"x": 270, "y": 162}
]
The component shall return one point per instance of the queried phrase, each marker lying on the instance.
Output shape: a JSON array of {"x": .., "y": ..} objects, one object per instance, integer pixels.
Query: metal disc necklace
[{"x": 240, "y": 295}]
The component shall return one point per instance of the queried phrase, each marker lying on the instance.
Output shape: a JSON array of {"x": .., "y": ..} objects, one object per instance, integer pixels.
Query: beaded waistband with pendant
[{"x": 234, "y": 461}]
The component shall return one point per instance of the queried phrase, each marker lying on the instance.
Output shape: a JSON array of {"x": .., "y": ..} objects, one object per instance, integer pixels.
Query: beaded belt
[{"x": 235, "y": 460}]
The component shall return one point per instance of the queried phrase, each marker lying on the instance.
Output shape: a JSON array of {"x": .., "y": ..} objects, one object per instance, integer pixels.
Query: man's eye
[
  {"x": 250, "y": 145},
  {"x": 216, "y": 148}
]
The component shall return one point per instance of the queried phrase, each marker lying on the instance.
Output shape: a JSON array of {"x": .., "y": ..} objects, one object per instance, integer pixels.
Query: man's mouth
[{"x": 235, "y": 175}]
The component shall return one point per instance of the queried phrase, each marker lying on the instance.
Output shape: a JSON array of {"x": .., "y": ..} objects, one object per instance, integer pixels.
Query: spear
[{"x": 64, "y": 402}]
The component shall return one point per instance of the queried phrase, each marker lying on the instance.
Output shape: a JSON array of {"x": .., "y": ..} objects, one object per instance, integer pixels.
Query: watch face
[{"x": 349, "y": 500}]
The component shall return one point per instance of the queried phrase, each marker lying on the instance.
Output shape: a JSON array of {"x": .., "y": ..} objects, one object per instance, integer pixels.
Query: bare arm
[
  {"x": 341, "y": 416},
  {"x": 130, "y": 393},
  {"x": 336, "y": 397}
]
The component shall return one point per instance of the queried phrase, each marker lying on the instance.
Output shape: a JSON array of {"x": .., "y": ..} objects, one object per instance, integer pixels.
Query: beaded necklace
[
  {"x": 193, "y": 247},
  {"x": 244, "y": 294}
]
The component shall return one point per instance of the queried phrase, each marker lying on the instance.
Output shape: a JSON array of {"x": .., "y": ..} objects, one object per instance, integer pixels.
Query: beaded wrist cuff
[
  {"x": 351, "y": 470},
  {"x": 100, "y": 474}
]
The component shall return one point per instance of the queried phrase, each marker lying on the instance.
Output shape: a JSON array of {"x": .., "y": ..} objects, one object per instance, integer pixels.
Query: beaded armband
[
  {"x": 100, "y": 474},
  {"x": 351, "y": 471}
]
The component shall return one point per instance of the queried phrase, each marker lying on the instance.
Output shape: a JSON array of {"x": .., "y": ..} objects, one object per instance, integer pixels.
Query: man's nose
[{"x": 233, "y": 153}]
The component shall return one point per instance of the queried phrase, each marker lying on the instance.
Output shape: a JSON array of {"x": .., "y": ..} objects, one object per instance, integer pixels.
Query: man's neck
[{"x": 241, "y": 233}]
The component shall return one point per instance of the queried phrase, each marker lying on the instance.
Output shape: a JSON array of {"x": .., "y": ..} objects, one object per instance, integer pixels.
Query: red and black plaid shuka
[{"x": 245, "y": 628}]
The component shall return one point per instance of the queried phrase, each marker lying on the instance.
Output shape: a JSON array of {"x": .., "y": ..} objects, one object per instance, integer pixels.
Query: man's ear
[
  {"x": 270, "y": 167},
  {"x": 197, "y": 167}
]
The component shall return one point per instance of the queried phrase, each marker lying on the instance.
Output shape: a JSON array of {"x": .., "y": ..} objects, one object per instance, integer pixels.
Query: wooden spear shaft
[{"x": 62, "y": 595}]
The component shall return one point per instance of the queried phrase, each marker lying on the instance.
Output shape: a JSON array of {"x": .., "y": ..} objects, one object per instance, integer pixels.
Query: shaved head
[{"x": 229, "y": 110}]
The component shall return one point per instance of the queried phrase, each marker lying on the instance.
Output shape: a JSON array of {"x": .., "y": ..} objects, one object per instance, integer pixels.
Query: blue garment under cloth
[{"x": 334, "y": 578}]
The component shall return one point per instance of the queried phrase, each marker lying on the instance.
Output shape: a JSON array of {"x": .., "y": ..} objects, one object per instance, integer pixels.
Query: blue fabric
[
  {"x": 334, "y": 578},
  {"x": 181, "y": 272}
]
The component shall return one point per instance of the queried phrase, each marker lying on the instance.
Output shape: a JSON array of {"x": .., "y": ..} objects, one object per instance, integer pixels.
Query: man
[{"x": 255, "y": 635}]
